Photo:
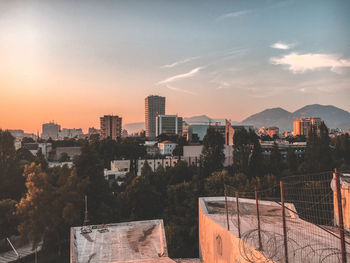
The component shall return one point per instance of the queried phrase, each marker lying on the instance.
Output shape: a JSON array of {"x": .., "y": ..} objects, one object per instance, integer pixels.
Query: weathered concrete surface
[
  {"x": 123, "y": 242},
  {"x": 150, "y": 260}
]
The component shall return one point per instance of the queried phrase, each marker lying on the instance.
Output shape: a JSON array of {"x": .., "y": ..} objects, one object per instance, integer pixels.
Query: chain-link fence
[{"x": 303, "y": 219}]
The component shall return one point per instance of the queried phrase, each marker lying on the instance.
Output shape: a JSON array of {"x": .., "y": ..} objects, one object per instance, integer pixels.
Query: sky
[{"x": 74, "y": 61}]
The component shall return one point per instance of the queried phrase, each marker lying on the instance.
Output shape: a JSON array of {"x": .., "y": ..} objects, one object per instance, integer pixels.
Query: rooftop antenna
[{"x": 86, "y": 220}]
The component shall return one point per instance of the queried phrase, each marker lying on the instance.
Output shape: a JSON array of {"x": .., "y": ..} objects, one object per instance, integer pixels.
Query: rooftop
[
  {"x": 306, "y": 241},
  {"x": 139, "y": 241}
]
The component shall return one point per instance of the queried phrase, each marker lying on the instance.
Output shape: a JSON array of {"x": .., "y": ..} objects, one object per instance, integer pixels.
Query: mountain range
[{"x": 332, "y": 116}]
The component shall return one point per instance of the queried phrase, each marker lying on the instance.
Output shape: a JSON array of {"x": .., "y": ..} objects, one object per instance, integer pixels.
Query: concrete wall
[
  {"x": 216, "y": 244},
  {"x": 71, "y": 151},
  {"x": 345, "y": 194},
  {"x": 195, "y": 151},
  {"x": 120, "y": 165}
]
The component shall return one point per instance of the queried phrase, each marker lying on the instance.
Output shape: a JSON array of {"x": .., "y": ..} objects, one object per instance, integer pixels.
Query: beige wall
[
  {"x": 216, "y": 244},
  {"x": 345, "y": 194}
]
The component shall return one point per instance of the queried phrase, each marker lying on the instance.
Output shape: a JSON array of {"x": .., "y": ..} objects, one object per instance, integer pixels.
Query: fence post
[
  {"x": 258, "y": 217},
  {"x": 284, "y": 225},
  {"x": 226, "y": 206},
  {"x": 340, "y": 216},
  {"x": 238, "y": 220}
]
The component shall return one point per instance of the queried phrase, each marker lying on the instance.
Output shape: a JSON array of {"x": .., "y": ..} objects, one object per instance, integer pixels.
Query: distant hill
[
  {"x": 134, "y": 127},
  {"x": 204, "y": 119},
  {"x": 269, "y": 117},
  {"x": 201, "y": 119},
  {"x": 333, "y": 117}
]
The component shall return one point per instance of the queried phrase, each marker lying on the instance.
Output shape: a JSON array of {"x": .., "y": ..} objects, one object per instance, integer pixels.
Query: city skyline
[{"x": 73, "y": 63}]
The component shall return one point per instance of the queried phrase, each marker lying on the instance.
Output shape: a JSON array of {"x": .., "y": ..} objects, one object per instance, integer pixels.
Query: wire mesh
[{"x": 312, "y": 234}]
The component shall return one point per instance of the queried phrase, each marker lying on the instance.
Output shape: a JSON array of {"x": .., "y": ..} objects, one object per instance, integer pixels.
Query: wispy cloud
[
  {"x": 300, "y": 63},
  {"x": 181, "y": 90},
  {"x": 189, "y": 74},
  {"x": 179, "y": 62},
  {"x": 234, "y": 14},
  {"x": 281, "y": 45}
]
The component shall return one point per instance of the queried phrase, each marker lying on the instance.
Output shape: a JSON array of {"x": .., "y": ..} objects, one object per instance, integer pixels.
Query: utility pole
[{"x": 86, "y": 220}]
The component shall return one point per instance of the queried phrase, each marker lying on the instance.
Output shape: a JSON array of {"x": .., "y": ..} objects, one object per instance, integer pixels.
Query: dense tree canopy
[{"x": 213, "y": 156}]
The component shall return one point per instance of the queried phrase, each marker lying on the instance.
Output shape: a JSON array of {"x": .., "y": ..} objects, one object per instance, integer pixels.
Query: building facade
[
  {"x": 168, "y": 124},
  {"x": 70, "y": 133},
  {"x": 303, "y": 126},
  {"x": 50, "y": 130},
  {"x": 166, "y": 147},
  {"x": 111, "y": 126},
  {"x": 154, "y": 106}
]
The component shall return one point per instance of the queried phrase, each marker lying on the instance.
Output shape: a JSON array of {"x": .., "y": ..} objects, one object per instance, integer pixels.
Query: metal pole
[
  {"x": 284, "y": 225},
  {"x": 238, "y": 220},
  {"x": 340, "y": 217},
  {"x": 228, "y": 224},
  {"x": 86, "y": 220},
  {"x": 258, "y": 217},
  {"x": 13, "y": 248},
  {"x": 36, "y": 256}
]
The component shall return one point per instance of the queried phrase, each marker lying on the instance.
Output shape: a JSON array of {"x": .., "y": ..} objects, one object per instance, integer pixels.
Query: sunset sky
[{"x": 74, "y": 61}]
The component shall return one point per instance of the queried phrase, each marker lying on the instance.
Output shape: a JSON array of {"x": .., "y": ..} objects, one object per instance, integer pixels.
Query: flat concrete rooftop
[
  {"x": 306, "y": 241},
  {"x": 139, "y": 241}
]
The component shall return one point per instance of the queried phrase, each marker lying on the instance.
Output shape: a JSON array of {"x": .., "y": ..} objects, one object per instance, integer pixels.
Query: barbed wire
[{"x": 311, "y": 232}]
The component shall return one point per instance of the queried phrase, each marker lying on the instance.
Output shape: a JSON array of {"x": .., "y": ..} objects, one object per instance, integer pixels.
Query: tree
[
  {"x": 292, "y": 162},
  {"x": 256, "y": 162},
  {"x": 101, "y": 201},
  {"x": 241, "y": 151},
  {"x": 11, "y": 181},
  {"x": 27, "y": 140},
  {"x": 64, "y": 157},
  {"x": 342, "y": 150},
  {"x": 142, "y": 199},
  {"x": 40, "y": 159},
  {"x": 275, "y": 161},
  {"x": 8, "y": 221},
  {"x": 318, "y": 157},
  {"x": 213, "y": 151},
  {"x": 181, "y": 215},
  {"x": 23, "y": 154},
  {"x": 53, "y": 203},
  {"x": 146, "y": 170}
]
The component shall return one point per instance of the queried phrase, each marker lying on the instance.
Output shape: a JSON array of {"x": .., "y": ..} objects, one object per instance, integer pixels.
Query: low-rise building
[
  {"x": 192, "y": 154},
  {"x": 45, "y": 148},
  {"x": 283, "y": 146},
  {"x": 166, "y": 147},
  {"x": 120, "y": 165},
  {"x": 70, "y": 133},
  {"x": 156, "y": 163}
]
